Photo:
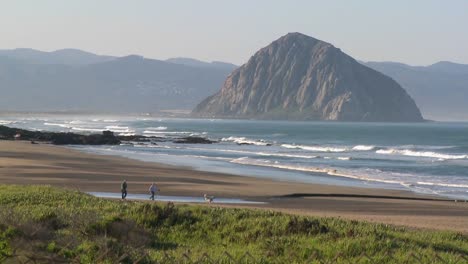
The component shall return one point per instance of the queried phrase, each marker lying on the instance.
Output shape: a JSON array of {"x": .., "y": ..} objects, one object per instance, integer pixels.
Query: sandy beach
[{"x": 25, "y": 163}]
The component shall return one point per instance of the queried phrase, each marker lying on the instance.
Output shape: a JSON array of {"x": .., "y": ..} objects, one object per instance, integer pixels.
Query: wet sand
[{"x": 25, "y": 163}]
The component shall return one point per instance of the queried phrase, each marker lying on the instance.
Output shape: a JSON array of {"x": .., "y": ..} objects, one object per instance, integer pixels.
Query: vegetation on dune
[{"x": 44, "y": 223}]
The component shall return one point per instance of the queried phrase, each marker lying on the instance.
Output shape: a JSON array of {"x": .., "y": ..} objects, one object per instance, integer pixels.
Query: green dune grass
[{"x": 45, "y": 223}]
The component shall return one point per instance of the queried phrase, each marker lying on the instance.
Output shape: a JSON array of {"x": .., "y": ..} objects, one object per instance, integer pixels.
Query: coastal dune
[{"x": 25, "y": 163}]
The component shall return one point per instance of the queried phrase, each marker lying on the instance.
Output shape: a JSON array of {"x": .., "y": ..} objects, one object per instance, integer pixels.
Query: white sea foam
[
  {"x": 88, "y": 129},
  {"x": 167, "y": 132},
  {"x": 58, "y": 124},
  {"x": 284, "y": 155},
  {"x": 5, "y": 122},
  {"x": 159, "y": 128},
  {"x": 276, "y": 164},
  {"x": 127, "y": 134},
  {"x": 344, "y": 158},
  {"x": 315, "y": 148},
  {"x": 364, "y": 147},
  {"x": 337, "y": 158},
  {"x": 426, "y": 154},
  {"x": 76, "y": 122},
  {"x": 243, "y": 140},
  {"x": 117, "y": 127},
  {"x": 444, "y": 184},
  {"x": 386, "y": 151},
  {"x": 152, "y": 132},
  {"x": 120, "y": 129}
]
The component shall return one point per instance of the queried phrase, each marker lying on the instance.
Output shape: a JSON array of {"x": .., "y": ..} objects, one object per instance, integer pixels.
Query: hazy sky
[{"x": 417, "y": 32}]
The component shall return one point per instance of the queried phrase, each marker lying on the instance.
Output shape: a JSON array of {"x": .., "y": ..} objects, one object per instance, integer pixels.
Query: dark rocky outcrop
[
  {"x": 57, "y": 138},
  {"x": 301, "y": 78},
  {"x": 106, "y": 138}
]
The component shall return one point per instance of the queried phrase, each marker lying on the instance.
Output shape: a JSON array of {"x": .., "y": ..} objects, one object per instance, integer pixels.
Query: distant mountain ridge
[
  {"x": 441, "y": 66},
  {"x": 440, "y": 89},
  {"x": 449, "y": 67},
  {"x": 298, "y": 77},
  {"x": 199, "y": 63},
  {"x": 73, "y": 80},
  {"x": 62, "y": 57}
]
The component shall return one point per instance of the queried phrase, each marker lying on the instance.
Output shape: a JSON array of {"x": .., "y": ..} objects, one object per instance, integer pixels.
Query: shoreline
[
  {"x": 333, "y": 175},
  {"x": 374, "y": 161},
  {"x": 25, "y": 163}
]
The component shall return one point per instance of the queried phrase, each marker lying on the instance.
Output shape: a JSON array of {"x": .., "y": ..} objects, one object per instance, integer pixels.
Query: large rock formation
[{"x": 298, "y": 77}]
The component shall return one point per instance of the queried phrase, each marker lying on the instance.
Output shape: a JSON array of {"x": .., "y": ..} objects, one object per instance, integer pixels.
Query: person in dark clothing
[{"x": 123, "y": 189}]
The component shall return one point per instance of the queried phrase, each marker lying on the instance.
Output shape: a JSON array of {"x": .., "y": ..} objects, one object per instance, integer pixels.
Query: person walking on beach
[
  {"x": 123, "y": 189},
  {"x": 153, "y": 189}
]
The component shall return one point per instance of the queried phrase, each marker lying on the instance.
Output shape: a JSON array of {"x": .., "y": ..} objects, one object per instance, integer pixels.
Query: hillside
[
  {"x": 48, "y": 225},
  {"x": 63, "y": 56},
  {"x": 440, "y": 90},
  {"x": 197, "y": 63},
  {"x": 83, "y": 82}
]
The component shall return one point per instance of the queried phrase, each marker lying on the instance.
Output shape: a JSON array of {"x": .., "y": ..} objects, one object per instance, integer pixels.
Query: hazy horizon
[{"x": 396, "y": 31}]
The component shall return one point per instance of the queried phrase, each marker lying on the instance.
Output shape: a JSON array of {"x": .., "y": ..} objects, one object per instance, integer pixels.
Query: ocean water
[{"x": 429, "y": 158}]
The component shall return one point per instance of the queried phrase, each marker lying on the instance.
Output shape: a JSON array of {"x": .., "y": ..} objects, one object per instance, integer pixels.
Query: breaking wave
[
  {"x": 426, "y": 154},
  {"x": 120, "y": 129},
  {"x": 5, "y": 122},
  {"x": 243, "y": 140},
  {"x": 330, "y": 148},
  {"x": 364, "y": 147},
  {"x": 344, "y": 158},
  {"x": 315, "y": 148},
  {"x": 166, "y": 132},
  {"x": 444, "y": 184},
  {"x": 159, "y": 128},
  {"x": 408, "y": 181},
  {"x": 58, "y": 124},
  {"x": 88, "y": 129}
]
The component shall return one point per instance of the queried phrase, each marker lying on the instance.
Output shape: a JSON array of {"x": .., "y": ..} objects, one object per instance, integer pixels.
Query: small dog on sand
[{"x": 208, "y": 198}]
